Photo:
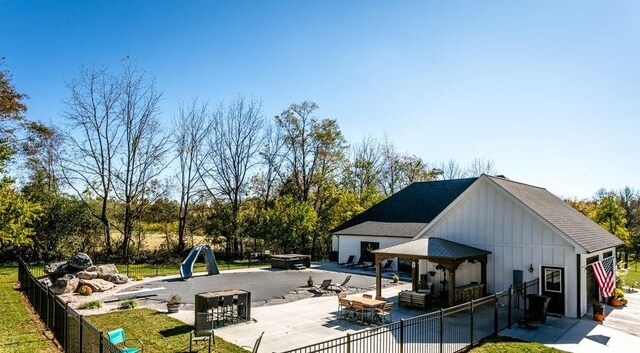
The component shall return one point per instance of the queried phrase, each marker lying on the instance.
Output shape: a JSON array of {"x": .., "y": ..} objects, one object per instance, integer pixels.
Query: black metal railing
[
  {"x": 70, "y": 329},
  {"x": 445, "y": 331}
]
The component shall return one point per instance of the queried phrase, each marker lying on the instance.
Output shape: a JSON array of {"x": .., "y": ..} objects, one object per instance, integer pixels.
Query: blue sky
[{"x": 549, "y": 90}]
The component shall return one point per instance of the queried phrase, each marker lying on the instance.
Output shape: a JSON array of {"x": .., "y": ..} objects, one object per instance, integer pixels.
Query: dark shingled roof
[
  {"x": 403, "y": 212},
  {"x": 402, "y": 230},
  {"x": 434, "y": 247},
  {"x": 574, "y": 224}
]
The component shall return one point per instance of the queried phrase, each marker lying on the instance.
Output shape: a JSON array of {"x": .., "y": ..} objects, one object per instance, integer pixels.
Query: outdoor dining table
[{"x": 369, "y": 303}]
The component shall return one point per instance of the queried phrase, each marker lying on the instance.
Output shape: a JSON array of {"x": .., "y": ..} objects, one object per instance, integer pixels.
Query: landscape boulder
[
  {"x": 46, "y": 281},
  {"x": 98, "y": 284},
  {"x": 87, "y": 274},
  {"x": 117, "y": 278},
  {"x": 108, "y": 269},
  {"x": 80, "y": 261},
  {"x": 65, "y": 284},
  {"x": 56, "y": 268},
  {"x": 92, "y": 268}
]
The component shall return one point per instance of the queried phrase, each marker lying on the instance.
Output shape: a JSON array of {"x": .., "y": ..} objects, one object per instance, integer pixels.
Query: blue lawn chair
[{"x": 117, "y": 338}]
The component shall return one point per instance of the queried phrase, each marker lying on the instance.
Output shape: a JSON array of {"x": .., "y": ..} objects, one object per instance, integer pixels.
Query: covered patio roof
[
  {"x": 432, "y": 247},
  {"x": 446, "y": 253}
]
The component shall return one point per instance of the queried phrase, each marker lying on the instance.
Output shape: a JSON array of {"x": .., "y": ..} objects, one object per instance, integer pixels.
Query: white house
[{"x": 488, "y": 230}]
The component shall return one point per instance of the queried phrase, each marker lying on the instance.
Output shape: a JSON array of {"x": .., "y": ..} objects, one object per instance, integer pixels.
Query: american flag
[{"x": 603, "y": 271}]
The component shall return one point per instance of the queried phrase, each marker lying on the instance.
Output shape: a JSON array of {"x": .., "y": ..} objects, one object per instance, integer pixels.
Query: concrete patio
[
  {"x": 298, "y": 323},
  {"x": 619, "y": 332}
]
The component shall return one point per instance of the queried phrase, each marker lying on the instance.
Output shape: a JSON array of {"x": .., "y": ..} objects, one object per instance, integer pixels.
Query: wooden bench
[{"x": 411, "y": 298}]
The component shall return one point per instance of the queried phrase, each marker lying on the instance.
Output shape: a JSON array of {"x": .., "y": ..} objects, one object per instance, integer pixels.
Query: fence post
[
  {"x": 441, "y": 330},
  {"x": 100, "y": 346},
  {"x": 66, "y": 326},
  {"x": 509, "y": 308},
  {"x": 80, "y": 321},
  {"x": 471, "y": 325},
  {"x": 348, "y": 343},
  {"x": 495, "y": 314},
  {"x": 401, "y": 335}
]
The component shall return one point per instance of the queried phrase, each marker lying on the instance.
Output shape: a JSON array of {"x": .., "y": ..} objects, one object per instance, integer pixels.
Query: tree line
[
  {"x": 113, "y": 171},
  {"x": 617, "y": 211}
]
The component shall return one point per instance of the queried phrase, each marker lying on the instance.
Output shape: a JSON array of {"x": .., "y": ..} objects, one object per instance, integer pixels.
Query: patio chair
[
  {"x": 257, "y": 344},
  {"x": 227, "y": 307},
  {"x": 358, "y": 309},
  {"x": 344, "y": 307},
  {"x": 349, "y": 261},
  {"x": 384, "y": 311},
  {"x": 203, "y": 330},
  {"x": 324, "y": 287},
  {"x": 118, "y": 339},
  {"x": 341, "y": 286}
]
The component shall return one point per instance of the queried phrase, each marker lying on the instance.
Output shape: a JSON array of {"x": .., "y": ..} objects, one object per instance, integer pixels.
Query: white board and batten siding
[
  {"x": 488, "y": 218},
  {"x": 350, "y": 245}
]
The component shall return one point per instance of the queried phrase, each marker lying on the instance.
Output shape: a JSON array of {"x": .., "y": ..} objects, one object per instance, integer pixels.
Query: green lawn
[
  {"x": 511, "y": 345},
  {"x": 147, "y": 270},
  {"x": 159, "y": 332},
  {"x": 20, "y": 330},
  {"x": 633, "y": 275}
]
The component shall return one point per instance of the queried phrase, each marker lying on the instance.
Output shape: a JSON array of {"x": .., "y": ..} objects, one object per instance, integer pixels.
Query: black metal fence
[
  {"x": 157, "y": 267},
  {"x": 70, "y": 329},
  {"x": 445, "y": 331}
]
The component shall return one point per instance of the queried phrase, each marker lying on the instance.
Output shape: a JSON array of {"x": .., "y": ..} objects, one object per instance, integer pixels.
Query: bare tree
[
  {"x": 363, "y": 171},
  {"x": 144, "y": 145},
  {"x": 481, "y": 166},
  {"x": 190, "y": 132},
  {"x": 272, "y": 154},
  {"x": 92, "y": 138},
  {"x": 451, "y": 169},
  {"x": 236, "y": 138},
  {"x": 391, "y": 170}
]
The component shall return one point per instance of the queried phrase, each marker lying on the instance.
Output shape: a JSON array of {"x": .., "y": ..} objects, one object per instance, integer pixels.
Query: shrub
[
  {"x": 395, "y": 278},
  {"x": 94, "y": 304},
  {"x": 136, "y": 277},
  {"x": 129, "y": 304},
  {"x": 85, "y": 290},
  {"x": 174, "y": 299},
  {"x": 618, "y": 293}
]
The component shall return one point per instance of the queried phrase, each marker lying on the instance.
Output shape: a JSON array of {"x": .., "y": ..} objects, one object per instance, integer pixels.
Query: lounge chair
[
  {"x": 341, "y": 286},
  {"x": 349, "y": 261},
  {"x": 359, "y": 263},
  {"x": 386, "y": 266},
  {"x": 324, "y": 287},
  {"x": 203, "y": 330},
  {"x": 117, "y": 338}
]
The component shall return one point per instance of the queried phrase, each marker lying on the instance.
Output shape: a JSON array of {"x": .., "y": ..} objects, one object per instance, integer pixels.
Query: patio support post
[
  {"x": 452, "y": 284},
  {"x": 414, "y": 275},
  {"x": 483, "y": 275},
  {"x": 378, "y": 278}
]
